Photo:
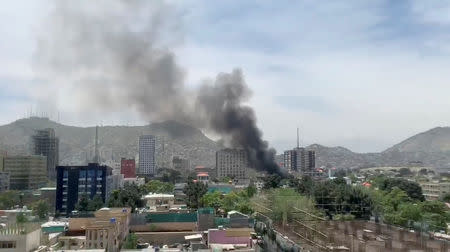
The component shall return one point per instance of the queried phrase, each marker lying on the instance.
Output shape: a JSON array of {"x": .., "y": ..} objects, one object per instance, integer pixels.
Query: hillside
[
  {"x": 430, "y": 148},
  {"x": 77, "y": 143}
]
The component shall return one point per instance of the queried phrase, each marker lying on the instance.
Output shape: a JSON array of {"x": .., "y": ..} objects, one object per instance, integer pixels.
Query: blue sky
[{"x": 359, "y": 74}]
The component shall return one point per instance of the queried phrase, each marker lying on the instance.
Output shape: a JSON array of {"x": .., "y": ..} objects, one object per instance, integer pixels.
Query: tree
[
  {"x": 194, "y": 192},
  {"x": 21, "y": 218},
  {"x": 83, "y": 203},
  {"x": 304, "y": 185},
  {"x": 214, "y": 199},
  {"x": 172, "y": 176},
  {"x": 413, "y": 189},
  {"x": 41, "y": 209},
  {"x": 96, "y": 203},
  {"x": 446, "y": 197},
  {"x": 272, "y": 181},
  {"x": 284, "y": 205},
  {"x": 129, "y": 196},
  {"x": 9, "y": 199},
  {"x": 131, "y": 242},
  {"x": 156, "y": 186}
]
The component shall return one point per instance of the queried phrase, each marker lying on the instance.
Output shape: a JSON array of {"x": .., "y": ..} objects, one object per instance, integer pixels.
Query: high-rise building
[
  {"x": 128, "y": 168},
  {"x": 147, "y": 164},
  {"x": 74, "y": 181},
  {"x": 26, "y": 172},
  {"x": 232, "y": 163},
  {"x": 44, "y": 142},
  {"x": 300, "y": 160}
]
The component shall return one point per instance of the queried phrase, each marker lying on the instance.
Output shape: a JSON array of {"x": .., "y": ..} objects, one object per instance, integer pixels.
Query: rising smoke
[{"x": 116, "y": 54}]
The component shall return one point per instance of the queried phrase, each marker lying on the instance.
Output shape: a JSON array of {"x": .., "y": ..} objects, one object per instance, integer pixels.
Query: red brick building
[{"x": 128, "y": 168}]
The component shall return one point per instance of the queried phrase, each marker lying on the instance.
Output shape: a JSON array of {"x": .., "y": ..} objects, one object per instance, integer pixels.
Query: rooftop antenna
[
  {"x": 96, "y": 157},
  {"x": 298, "y": 139}
]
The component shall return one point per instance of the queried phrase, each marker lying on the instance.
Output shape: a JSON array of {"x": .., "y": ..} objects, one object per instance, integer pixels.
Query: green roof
[{"x": 171, "y": 217}]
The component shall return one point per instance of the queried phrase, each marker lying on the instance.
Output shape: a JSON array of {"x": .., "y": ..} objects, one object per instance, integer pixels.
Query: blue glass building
[{"x": 74, "y": 181}]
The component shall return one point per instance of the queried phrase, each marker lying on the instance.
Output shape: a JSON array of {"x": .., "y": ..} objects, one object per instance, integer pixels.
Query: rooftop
[{"x": 158, "y": 195}]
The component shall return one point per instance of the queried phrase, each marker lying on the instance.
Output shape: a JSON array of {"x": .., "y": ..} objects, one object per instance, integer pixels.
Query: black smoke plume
[{"x": 116, "y": 54}]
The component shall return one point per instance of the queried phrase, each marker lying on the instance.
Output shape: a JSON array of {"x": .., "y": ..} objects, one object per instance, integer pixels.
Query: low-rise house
[
  {"x": 159, "y": 202},
  {"x": 433, "y": 191},
  {"x": 163, "y": 222},
  {"x": 20, "y": 238},
  {"x": 232, "y": 237},
  {"x": 104, "y": 235}
]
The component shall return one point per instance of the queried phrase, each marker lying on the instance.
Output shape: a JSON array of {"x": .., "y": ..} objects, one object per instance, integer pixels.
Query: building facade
[
  {"x": 26, "y": 172},
  {"x": 147, "y": 146},
  {"x": 300, "y": 160},
  {"x": 20, "y": 238},
  {"x": 74, "y": 181},
  {"x": 2, "y": 157},
  {"x": 4, "y": 181},
  {"x": 128, "y": 168},
  {"x": 434, "y": 191},
  {"x": 232, "y": 163},
  {"x": 45, "y": 143},
  {"x": 181, "y": 164}
]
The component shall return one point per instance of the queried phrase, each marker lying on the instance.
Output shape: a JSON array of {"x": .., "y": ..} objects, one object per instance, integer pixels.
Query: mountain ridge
[{"x": 428, "y": 148}]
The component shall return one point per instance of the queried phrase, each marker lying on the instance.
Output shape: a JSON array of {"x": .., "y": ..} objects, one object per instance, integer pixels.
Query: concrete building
[
  {"x": 109, "y": 229},
  {"x": 159, "y": 202},
  {"x": 137, "y": 181},
  {"x": 181, "y": 164},
  {"x": 74, "y": 181},
  {"x": 128, "y": 168},
  {"x": 203, "y": 177},
  {"x": 45, "y": 143},
  {"x": 147, "y": 164},
  {"x": 300, "y": 160},
  {"x": 433, "y": 191},
  {"x": 23, "y": 238},
  {"x": 4, "y": 181},
  {"x": 2, "y": 156},
  {"x": 232, "y": 163},
  {"x": 212, "y": 172},
  {"x": 26, "y": 172}
]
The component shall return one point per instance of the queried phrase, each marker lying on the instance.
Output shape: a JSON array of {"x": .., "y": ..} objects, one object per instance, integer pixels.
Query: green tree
[
  {"x": 156, "y": 186},
  {"x": 21, "y": 218},
  {"x": 272, "y": 181},
  {"x": 304, "y": 185},
  {"x": 194, "y": 192},
  {"x": 129, "y": 196},
  {"x": 413, "y": 189},
  {"x": 41, "y": 209},
  {"x": 83, "y": 203},
  {"x": 284, "y": 205},
  {"x": 171, "y": 176},
  {"x": 213, "y": 199},
  {"x": 96, "y": 203},
  {"x": 9, "y": 199},
  {"x": 131, "y": 242}
]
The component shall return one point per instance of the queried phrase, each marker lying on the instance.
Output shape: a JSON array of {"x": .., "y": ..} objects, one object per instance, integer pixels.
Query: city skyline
[{"x": 357, "y": 77}]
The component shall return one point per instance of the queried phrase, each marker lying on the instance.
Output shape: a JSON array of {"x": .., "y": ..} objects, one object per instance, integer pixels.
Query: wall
[
  {"x": 24, "y": 243},
  {"x": 159, "y": 238}
]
